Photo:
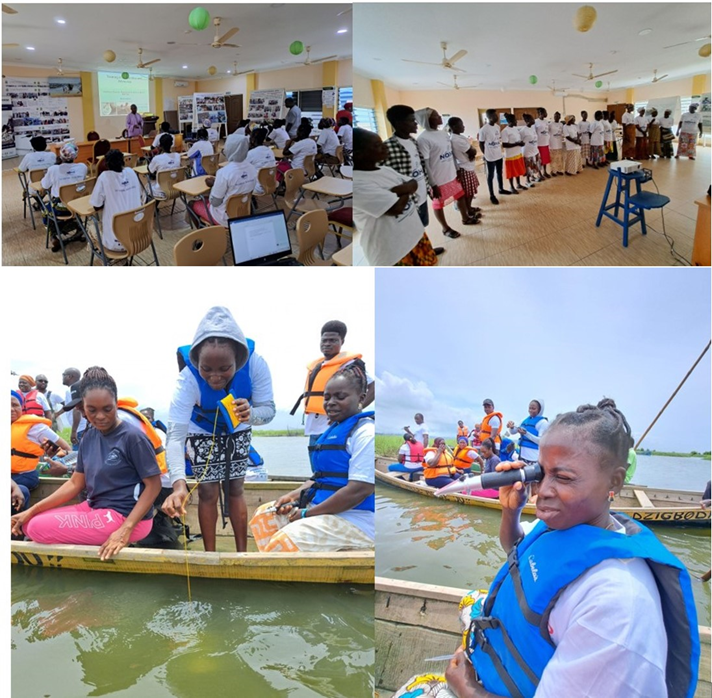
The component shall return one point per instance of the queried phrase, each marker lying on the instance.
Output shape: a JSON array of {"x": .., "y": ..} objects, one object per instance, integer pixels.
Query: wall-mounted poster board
[
  {"x": 266, "y": 104},
  {"x": 35, "y": 113},
  {"x": 209, "y": 105},
  {"x": 185, "y": 109},
  {"x": 8, "y": 135},
  {"x": 61, "y": 86},
  {"x": 328, "y": 97},
  {"x": 704, "y": 109}
]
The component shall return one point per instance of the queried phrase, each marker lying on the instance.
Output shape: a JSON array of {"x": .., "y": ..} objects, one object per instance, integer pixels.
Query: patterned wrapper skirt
[
  {"x": 597, "y": 155},
  {"x": 573, "y": 161},
  {"x": 641, "y": 148},
  {"x": 514, "y": 167},
  {"x": 544, "y": 154},
  {"x": 687, "y": 145},
  {"x": 468, "y": 180},
  {"x": 629, "y": 141},
  {"x": 533, "y": 165},
  {"x": 211, "y": 459},
  {"x": 585, "y": 152},
  {"x": 666, "y": 139},
  {"x": 422, "y": 255},
  {"x": 557, "y": 159},
  {"x": 449, "y": 192},
  {"x": 654, "y": 140}
]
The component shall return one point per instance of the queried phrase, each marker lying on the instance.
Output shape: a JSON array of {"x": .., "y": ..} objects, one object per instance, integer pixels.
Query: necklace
[{"x": 612, "y": 525}]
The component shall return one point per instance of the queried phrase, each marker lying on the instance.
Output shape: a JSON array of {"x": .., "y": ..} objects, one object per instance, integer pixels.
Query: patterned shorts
[{"x": 210, "y": 458}]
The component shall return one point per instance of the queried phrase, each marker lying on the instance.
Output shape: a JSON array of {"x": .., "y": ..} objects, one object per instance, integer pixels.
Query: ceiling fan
[
  {"x": 459, "y": 87},
  {"x": 694, "y": 41},
  {"x": 9, "y": 10},
  {"x": 141, "y": 64},
  {"x": 242, "y": 72},
  {"x": 219, "y": 41},
  {"x": 60, "y": 70},
  {"x": 10, "y": 45},
  {"x": 309, "y": 61},
  {"x": 655, "y": 76},
  {"x": 446, "y": 62},
  {"x": 343, "y": 12},
  {"x": 591, "y": 76},
  {"x": 150, "y": 75},
  {"x": 558, "y": 92}
]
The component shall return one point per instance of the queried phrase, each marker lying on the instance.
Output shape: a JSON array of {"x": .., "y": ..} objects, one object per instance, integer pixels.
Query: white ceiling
[
  {"x": 508, "y": 42},
  {"x": 266, "y": 31}
]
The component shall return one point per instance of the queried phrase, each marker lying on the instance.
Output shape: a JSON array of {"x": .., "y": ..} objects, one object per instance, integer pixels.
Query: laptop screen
[{"x": 260, "y": 238}]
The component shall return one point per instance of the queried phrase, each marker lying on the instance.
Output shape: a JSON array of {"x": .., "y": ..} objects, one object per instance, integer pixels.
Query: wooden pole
[{"x": 687, "y": 375}]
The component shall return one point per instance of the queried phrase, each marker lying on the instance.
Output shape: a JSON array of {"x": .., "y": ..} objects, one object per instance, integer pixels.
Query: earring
[
  {"x": 611, "y": 495},
  {"x": 360, "y": 406}
]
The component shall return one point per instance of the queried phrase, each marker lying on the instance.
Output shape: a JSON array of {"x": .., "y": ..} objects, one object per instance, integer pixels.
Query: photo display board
[
  {"x": 185, "y": 109},
  {"x": 266, "y": 104},
  {"x": 209, "y": 105}
]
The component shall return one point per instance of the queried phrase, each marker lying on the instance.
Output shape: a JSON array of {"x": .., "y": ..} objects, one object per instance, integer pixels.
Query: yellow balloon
[
  {"x": 585, "y": 18},
  {"x": 704, "y": 51},
  {"x": 212, "y": 70},
  {"x": 109, "y": 56}
]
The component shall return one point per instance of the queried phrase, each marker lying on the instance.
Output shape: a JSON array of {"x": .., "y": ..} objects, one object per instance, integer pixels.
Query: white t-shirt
[
  {"x": 300, "y": 149},
  {"x": 279, "y": 136},
  {"x": 39, "y": 433},
  {"x": 667, "y": 121},
  {"x": 213, "y": 135},
  {"x": 584, "y": 129},
  {"x": 438, "y": 158},
  {"x": 420, "y": 431},
  {"x": 346, "y": 134},
  {"x": 54, "y": 400},
  {"x": 117, "y": 192},
  {"x": 607, "y": 131},
  {"x": 542, "y": 131},
  {"x": 161, "y": 162},
  {"x": 460, "y": 146},
  {"x": 689, "y": 122},
  {"x": 572, "y": 132},
  {"x": 294, "y": 118},
  {"x": 597, "y": 133},
  {"x": 510, "y": 134},
  {"x": 159, "y": 135},
  {"x": 37, "y": 160},
  {"x": 529, "y": 137},
  {"x": 556, "y": 135},
  {"x": 628, "y": 118},
  {"x": 234, "y": 178},
  {"x": 260, "y": 157},
  {"x": 614, "y": 126},
  {"x": 202, "y": 147},
  {"x": 384, "y": 239},
  {"x": 417, "y": 171},
  {"x": 404, "y": 450},
  {"x": 329, "y": 141},
  {"x": 66, "y": 173},
  {"x": 622, "y": 653},
  {"x": 641, "y": 122},
  {"x": 187, "y": 395},
  {"x": 491, "y": 137}
]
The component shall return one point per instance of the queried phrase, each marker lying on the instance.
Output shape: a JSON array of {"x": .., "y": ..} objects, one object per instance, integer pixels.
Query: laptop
[{"x": 261, "y": 240}]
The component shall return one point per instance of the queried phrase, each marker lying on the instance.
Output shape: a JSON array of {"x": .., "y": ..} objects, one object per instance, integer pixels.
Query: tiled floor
[
  {"x": 554, "y": 223},
  {"x": 22, "y": 246}
]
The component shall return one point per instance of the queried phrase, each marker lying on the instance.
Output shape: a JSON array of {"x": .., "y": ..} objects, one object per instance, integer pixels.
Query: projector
[{"x": 625, "y": 166}]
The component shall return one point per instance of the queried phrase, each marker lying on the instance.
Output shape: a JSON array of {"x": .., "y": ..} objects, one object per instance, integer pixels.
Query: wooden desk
[
  {"x": 86, "y": 148},
  {"x": 141, "y": 169},
  {"x": 344, "y": 257},
  {"x": 701, "y": 246},
  {"x": 331, "y": 186},
  {"x": 196, "y": 186}
]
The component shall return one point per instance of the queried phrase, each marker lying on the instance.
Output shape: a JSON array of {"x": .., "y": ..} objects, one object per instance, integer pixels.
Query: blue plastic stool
[{"x": 633, "y": 206}]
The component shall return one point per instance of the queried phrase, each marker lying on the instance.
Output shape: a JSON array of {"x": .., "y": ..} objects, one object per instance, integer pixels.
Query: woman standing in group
[
  {"x": 220, "y": 363},
  {"x": 641, "y": 135},
  {"x": 597, "y": 140},
  {"x": 556, "y": 145},
  {"x": 666, "y": 134},
  {"x": 532, "y": 160},
  {"x": 612, "y": 152},
  {"x": 573, "y": 146},
  {"x": 116, "y": 464},
  {"x": 512, "y": 142},
  {"x": 465, "y": 156},
  {"x": 629, "y": 131},
  {"x": 654, "y": 135},
  {"x": 530, "y": 432}
]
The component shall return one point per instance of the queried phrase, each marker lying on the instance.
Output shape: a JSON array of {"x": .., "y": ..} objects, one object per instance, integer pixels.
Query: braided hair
[
  {"x": 95, "y": 378},
  {"x": 219, "y": 341},
  {"x": 606, "y": 427},
  {"x": 355, "y": 373}
]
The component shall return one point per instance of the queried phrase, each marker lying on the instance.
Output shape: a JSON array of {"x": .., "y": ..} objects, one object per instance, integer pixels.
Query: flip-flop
[
  {"x": 450, "y": 233},
  {"x": 471, "y": 221}
]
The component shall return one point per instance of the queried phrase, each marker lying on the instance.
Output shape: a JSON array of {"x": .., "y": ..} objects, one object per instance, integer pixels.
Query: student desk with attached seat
[
  {"x": 197, "y": 187},
  {"x": 344, "y": 257}
]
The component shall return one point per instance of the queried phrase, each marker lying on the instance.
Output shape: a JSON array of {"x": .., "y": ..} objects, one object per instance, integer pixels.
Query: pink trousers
[{"x": 80, "y": 525}]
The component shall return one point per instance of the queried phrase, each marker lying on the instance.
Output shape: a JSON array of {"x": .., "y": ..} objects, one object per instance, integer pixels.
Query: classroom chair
[
  {"x": 67, "y": 193},
  {"x": 267, "y": 177},
  {"x": 131, "y": 160},
  {"x": 310, "y": 167},
  {"x": 101, "y": 148},
  {"x": 210, "y": 164},
  {"x": 312, "y": 229},
  {"x": 27, "y": 178},
  {"x": 341, "y": 222},
  {"x": 339, "y": 153},
  {"x": 293, "y": 195},
  {"x": 201, "y": 248},
  {"x": 166, "y": 180},
  {"x": 239, "y": 206}
]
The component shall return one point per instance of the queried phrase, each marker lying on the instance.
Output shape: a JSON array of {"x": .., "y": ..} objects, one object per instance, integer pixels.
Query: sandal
[
  {"x": 450, "y": 233},
  {"x": 474, "y": 220}
]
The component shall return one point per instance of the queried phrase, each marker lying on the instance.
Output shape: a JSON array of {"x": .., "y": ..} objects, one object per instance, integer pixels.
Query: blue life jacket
[
  {"x": 509, "y": 643},
  {"x": 254, "y": 458},
  {"x": 240, "y": 387},
  {"x": 330, "y": 461},
  {"x": 530, "y": 424},
  {"x": 503, "y": 454}
]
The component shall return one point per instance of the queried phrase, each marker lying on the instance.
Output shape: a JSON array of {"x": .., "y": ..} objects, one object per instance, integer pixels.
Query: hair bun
[{"x": 607, "y": 402}]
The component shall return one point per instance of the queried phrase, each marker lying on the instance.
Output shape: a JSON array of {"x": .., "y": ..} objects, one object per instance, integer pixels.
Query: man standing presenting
[
  {"x": 134, "y": 123},
  {"x": 319, "y": 372},
  {"x": 294, "y": 117}
]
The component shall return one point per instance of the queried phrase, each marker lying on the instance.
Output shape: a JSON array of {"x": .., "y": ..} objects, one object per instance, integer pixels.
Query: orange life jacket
[
  {"x": 25, "y": 454},
  {"x": 128, "y": 404},
  {"x": 444, "y": 466},
  {"x": 462, "y": 431},
  {"x": 318, "y": 374},
  {"x": 486, "y": 429},
  {"x": 462, "y": 460},
  {"x": 31, "y": 405}
]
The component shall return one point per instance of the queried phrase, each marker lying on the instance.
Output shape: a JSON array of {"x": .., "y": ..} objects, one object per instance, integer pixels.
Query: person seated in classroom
[
  {"x": 237, "y": 177},
  {"x": 66, "y": 172},
  {"x": 165, "y": 129},
  {"x": 296, "y": 151},
  {"x": 260, "y": 155},
  {"x": 327, "y": 143},
  {"x": 346, "y": 135},
  {"x": 199, "y": 150},
  {"x": 117, "y": 190},
  {"x": 40, "y": 158},
  {"x": 279, "y": 135},
  {"x": 165, "y": 160},
  {"x": 213, "y": 135},
  {"x": 243, "y": 128}
]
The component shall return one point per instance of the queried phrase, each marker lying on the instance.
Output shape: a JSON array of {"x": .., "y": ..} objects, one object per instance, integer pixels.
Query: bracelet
[{"x": 304, "y": 514}]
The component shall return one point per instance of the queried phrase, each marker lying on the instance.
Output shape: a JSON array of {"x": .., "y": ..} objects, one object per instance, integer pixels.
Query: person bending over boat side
[
  {"x": 334, "y": 510},
  {"x": 589, "y": 602},
  {"x": 117, "y": 466},
  {"x": 410, "y": 458},
  {"x": 219, "y": 363},
  {"x": 530, "y": 432},
  {"x": 439, "y": 466}
]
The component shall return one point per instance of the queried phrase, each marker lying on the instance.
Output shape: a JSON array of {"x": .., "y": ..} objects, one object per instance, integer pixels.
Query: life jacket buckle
[{"x": 486, "y": 623}]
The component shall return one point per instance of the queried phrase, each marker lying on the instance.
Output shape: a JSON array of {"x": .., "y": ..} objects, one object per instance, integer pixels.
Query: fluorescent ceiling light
[
  {"x": 30, "y": 48},
  {"x": 61, "y": 21},
  {"x": 185, "y": 67},
  {"x": 645, "y": 32},
  {"x": 342, "y": 31}
]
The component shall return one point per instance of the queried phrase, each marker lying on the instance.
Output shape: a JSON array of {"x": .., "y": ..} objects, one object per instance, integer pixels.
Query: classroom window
[
  {"x": 346, "y": 94},
  {"x": 685, "y": 103},
  {"x": 365, "y": 118}
]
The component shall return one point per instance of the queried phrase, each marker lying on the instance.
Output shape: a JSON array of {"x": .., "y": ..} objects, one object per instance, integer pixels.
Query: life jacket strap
[
  {"x": 479, "y": 637},
  {"x": 22, "y": 454},
  {"x": 327, "y": 447},
  {"x": 320, "y": 474},
  {"x": 513, "y": 564}
]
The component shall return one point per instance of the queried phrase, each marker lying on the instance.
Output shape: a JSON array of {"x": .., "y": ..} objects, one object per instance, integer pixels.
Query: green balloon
[
  {"x": 125, "y": 75},
  {"x": 599, "y": 83},
  {"x": 199, "y": 18},
  {"x": 533, "y": 79},
  {"x": 296, "y": 47}
]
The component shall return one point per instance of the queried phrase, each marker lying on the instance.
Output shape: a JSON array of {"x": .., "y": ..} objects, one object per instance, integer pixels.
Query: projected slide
[{"x": 116, "y": 95}]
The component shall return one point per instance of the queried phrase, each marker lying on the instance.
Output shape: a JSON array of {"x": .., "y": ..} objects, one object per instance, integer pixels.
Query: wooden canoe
[
  {"x": 645, "y": 504},
  {"x": 416, "y": 621},
  {"x": 352, "y": 567}
]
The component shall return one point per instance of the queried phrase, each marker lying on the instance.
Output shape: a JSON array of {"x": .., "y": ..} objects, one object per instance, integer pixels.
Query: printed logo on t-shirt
[
  {"x": 445, "y": 156},
  {"x": 114, "y": 457},
  {"x": 417, "y": 174}
]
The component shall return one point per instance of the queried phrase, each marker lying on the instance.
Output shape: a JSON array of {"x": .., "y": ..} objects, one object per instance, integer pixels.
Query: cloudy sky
[
  {"x": 448, "y": 338},
  {"x": 131, "y": 321}
]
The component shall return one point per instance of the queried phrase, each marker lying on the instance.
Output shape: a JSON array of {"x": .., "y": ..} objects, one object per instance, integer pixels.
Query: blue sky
[{"x": 448, "y": 338}]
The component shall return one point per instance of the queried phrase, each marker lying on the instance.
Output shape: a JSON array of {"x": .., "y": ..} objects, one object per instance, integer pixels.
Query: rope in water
[{"x": 687, "y": 375}]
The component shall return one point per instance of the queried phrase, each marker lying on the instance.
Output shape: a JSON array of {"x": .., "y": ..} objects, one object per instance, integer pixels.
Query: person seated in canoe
[
  {"x": 30, "y": 438},
  {"x": 116, "y": 464},
  {"x": 475, "y": 440},
  {"x": 439, "y": 466},
  {"x": 508, "y": 450},
  {"x": 334, "y": 510},
  {"x": 589, "y": 602},
  {"x": 224, "y": 388},
  {"x": 530, "y": 432},
  {"x": 464, "y": 457},
  {"x": 410, "y": 458},
  {"x": 462, "y": 430}
]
